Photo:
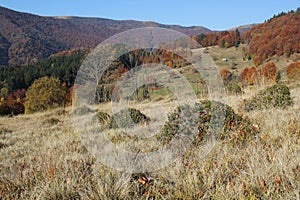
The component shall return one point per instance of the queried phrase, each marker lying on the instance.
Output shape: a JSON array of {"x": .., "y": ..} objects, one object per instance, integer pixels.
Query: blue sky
[{"x": 213, "y": 14}]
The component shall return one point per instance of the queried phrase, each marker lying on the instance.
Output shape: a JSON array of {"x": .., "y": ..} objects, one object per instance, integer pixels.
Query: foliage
[
  {"x": 205, "y": 115},
  {"x": 4, "y": 109},
  {"x": 62, "y": 66},
  {"x": 276, "y": 96},
  {"x": 269, "y": 71},
  {"x": 13, "y": 103},
  {"x": 135, "y": 58},
  {"x": 278, "y": 36},
  {"x": 234, "y": 88},
  {"x": 24, "y": 38},
  {"x": 258, "y": 60},
  {"x": 103, "y": 118},
  {"x": 45, "y": 93},
  {"x": 250, "y": 75},
  {"x": 104, "y": 92},
  {"x": 141, "y": 93},
  {"x": 226, "y": 75},
  {"x": 293, "y": 71},
  {"x": 224, "y": 39},
  {"x": 127, "y": 118},
  {"x": 14, "y": 79},
  {"x": 128, "y": 62},
  {"x": 280, "y": 15},
  {"x": 52, "y": 121}
]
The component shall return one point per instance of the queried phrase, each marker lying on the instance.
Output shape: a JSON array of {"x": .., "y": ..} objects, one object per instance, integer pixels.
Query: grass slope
[{"x": 42, "y": 158}]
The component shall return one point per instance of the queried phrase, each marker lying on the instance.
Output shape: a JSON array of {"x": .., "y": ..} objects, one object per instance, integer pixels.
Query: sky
[{"x": 213, "y": 14}]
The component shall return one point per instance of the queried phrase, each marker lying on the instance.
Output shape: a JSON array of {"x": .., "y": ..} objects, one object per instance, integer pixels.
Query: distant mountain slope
[
  {"x": 244, "y": 28},
  {"x": 277, "y": 36},
  {"x": 25, "y": 38}
]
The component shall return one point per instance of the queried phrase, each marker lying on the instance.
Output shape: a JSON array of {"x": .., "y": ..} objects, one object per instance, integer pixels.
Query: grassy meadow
[{"x": 42, "y": 156}]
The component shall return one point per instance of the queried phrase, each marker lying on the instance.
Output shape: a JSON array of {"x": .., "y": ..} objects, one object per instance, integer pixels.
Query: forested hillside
[
  {"x": 279, "y": 35},
  {"x": 64, "y": 67},
  {"x": 26, "y": 38}
]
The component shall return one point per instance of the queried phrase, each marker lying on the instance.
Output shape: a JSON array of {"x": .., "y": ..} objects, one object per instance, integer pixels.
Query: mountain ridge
[{"x": 25, "y": 37}]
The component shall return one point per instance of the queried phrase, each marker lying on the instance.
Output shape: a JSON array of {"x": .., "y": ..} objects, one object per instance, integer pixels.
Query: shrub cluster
[
  {"x": 103, "y": 118},
  {"x": 293, "y": 71},
  {"x": 127, "y": 118},
  {"x": 234, "y": 88},
  {"x": 206, "y": 116},
  {"x": 276, "y": 96},
  {"x": 52, "y": 121}
]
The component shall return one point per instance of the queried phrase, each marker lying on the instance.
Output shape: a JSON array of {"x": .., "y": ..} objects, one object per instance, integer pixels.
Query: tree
[
  {"x": 279, "y": 36},
  {"x": 237, "y": 38},
  {"x": 223, "y": 43},
  {"x": 243, "y": 76},
  {"x": 226, "y": 75},
  {"x": 15, "y": 102},
  {"x": 293, "y": 71},
  {"x": 45, "y": 93},
  {"x": 269, "y": 71},
  {"x": 257, "y": 60},
  {"x": 252, "y": 76},
  {"x": 249, "y": 75}
]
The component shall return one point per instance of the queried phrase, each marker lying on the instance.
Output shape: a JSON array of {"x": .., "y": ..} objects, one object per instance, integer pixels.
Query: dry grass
[
  {"x": 42, "y": 158},
  {"x": 235, "y": 55},
  {"x": 232, "y": 54}
]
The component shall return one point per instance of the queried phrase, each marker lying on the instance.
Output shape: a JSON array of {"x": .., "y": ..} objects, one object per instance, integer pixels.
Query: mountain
[
  {"x": 244, "y": 28},
  {"x": 25, "y": 38}
]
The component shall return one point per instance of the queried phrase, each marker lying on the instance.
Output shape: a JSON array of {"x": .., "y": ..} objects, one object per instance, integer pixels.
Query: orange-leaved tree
[
  {"x": 249, "y": 75},
  {"x": 293, "y": 71},
  {"x": 269, "y": 71},
  {"x": 226, "y": 75}
]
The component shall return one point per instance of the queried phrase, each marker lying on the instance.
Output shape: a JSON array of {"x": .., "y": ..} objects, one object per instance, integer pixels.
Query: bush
[
  {"x": 250, "y": 75},
  {"x": 226, "y": 75},
  {"x": 4, "y": 109},
  {"x": 13, "y": 103},
  {"x": 45, "y": 93},
  {"x": 127, "y": 118},
  {"x": 293, "y": 71},
  {"x": 52, "y": 121},
  {"x": 276, "y": 96},
  {"x": 202, "y": 115},
  {"x": 234, "y": 88},
  {"x": 269, "y": 71},
  {"x": 103, "y": 118}
]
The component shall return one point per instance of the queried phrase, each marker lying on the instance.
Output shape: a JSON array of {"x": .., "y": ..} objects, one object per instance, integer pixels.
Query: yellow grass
[
  {"x": 45, "y": 159},
  {"x": 42, "y": 156}
]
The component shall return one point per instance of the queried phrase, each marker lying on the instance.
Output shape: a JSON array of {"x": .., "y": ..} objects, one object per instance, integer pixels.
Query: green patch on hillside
[{"x": 276, "y": 96}]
